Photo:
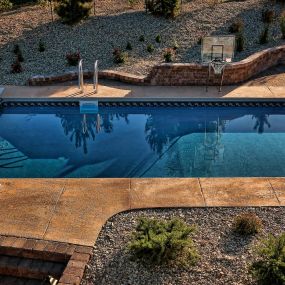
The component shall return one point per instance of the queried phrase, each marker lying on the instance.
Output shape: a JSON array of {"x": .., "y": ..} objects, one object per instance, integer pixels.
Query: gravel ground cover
[
  {"x": 224, "y": 256},
  {"x": 115, "y": 24}
]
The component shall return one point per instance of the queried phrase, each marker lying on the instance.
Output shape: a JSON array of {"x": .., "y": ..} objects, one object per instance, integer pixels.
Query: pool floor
[{"x": 61, "y": 142}]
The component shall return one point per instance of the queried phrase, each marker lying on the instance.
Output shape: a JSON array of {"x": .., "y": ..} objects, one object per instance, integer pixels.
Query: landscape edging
[{"x": 182, "y": 74}]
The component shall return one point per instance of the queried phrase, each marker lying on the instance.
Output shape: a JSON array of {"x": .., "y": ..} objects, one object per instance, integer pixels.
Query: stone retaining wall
[{"x": 177, "y": 74}]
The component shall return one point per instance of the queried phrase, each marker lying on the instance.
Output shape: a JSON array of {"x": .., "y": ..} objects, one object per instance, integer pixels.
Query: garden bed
[
  {"x": 224, "y": 255},
  {"x": 116, "y": 24}
]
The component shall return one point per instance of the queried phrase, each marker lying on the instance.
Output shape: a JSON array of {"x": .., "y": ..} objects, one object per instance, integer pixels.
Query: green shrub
[
  {"x": 119, "y": 56},
  {"x": 5, "y": 5},
  {"x": 267, "y": 16},
  {"x": 141, "y": 38},
  {"x": 73, "y": 11},
  {"x": 236, "y": 27},
  {"x": 129, "y": 46},
  {"x": 73, "y": 58},
  {"x": 269, "y": 269},
  {"x": 168, "y": 55},
  {"x": 240, "y": 42},
  {"x": 166, "y": 8},
  {"x": 157, "y": 241},
  {"x": 264, "y": 36},
  {"x": 158, "y": 39},
  {"x": 150, "y": 48},
  {"x": 175, "y": 45},
  {"x": 41, "y": 47},
  {"x": 282, "y": 26},
  {"x": 247, "y": 224}
]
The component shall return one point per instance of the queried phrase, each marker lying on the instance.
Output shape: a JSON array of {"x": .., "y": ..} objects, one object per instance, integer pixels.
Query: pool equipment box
[{"x": 89, "y": 107}]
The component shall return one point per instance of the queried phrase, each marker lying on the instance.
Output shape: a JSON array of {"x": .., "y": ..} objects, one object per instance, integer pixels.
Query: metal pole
[
  {"x": 95, "y": 77},
  {"x": 80, "y": 76},
  {"x": 208, "y": 78},
  {"x": 222, "y": 79}
]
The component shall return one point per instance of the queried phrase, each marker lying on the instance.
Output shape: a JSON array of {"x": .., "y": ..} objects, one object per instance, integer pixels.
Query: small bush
[
  {"x": 264, "y": 36},
  {"x": 175, "y": 45},
  {"x": 236, "y": 27},
  {"x": 16, "y": 67},
  {"x": 141, "y": 38},
  {"x": 158, "y": 39},
  {"x": 269, "y": 269},
  {"x": 247, "y": 224},
  {"x": 41, "y": 47},
  {"x": 240, "y": 42},
  {"x": 282, "y": 26},
  {"x": 5, "y": 5},
  {"x": 267, "y": 16},
  {"x": 73, "y": 11},
  {"x": 168, "y": 55},
  {"x": 16, "y": 49},
  {"x": 119, "y": 56},
  {"x": 150, "y": 48},
  {"x": 166, "y": 8},
  {"x": 156, "y": 241},
  {"x": 129, "y": 46},
  {"x": 73, "y": 58}
]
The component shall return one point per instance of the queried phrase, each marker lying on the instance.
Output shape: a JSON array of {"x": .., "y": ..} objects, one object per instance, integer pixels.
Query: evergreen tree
[{"x": 73, "y": 11}]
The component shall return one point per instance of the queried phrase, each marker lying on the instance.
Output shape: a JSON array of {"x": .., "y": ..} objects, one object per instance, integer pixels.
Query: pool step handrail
[
  {"x": 95, "y": 77},
  {"x": 80, "y": 76}
]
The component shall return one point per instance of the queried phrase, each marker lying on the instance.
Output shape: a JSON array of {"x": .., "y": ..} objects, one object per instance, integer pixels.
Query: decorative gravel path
[
  {"x": 224, "y": 256},
  {"x": 116, "y": 24}
]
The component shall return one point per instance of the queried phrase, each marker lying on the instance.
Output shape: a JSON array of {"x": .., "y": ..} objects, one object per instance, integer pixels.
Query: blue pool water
[{"x": 142, "y": 142}]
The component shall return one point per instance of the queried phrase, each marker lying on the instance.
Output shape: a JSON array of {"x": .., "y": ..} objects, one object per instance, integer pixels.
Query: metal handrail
[
  {"x": 80, "y": 76},
  {"x": 95, "y": 77}
]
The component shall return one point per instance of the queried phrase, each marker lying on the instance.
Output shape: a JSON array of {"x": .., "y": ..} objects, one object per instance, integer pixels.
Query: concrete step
[{"x": 29, "y": 268}]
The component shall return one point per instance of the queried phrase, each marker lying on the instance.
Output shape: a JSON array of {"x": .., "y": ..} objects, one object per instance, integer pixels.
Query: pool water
[{"x": 142, "y": 142}]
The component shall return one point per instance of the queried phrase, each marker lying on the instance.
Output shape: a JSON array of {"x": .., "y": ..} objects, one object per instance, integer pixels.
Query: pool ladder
[{"x": 81, "y": 77}]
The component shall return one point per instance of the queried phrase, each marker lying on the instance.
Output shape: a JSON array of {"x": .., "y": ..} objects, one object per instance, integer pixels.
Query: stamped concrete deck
[
  {"x": 74, "y": 210},
  {"x": 145, "y": 92}
]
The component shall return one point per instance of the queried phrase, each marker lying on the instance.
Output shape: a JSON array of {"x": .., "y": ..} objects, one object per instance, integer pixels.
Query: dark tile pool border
[{"x": 66, "y": 102}]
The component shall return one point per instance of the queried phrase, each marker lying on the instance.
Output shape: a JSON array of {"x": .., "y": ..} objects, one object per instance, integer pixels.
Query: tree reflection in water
[
  {"x": 261, "y": 121},
  {"x": 83, "y": 127},
  {"x": 156, "y": 133}
]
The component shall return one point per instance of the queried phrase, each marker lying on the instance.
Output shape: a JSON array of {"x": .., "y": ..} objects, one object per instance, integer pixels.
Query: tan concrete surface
[
  {"x": 278, "y": 185},
  {"x": 238, "y": 192},
  {"x": 144, "y": 92},
  {"x": 74, "y": 210}
]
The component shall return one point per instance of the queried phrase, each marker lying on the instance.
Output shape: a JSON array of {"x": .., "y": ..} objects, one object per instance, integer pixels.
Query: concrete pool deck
[
  {"x": 145, "y": 92},
  {"x": 74, "y": 210}
]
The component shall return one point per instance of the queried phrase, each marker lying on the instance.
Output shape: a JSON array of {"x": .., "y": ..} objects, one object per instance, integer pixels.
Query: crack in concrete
[
  {"x": 53, "y": 211},
  {"x": 274, "y": 192},
  {"x": 202, "y": 192}
]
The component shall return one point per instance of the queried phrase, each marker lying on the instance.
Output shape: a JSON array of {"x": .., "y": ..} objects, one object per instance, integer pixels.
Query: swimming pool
[{"x": 142, "y": 142}]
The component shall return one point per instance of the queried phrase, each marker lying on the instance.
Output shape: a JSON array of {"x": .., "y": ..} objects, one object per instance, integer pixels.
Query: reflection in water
[
  {"x": 171, "y": 142},
  {"x": 261, "y": 121},
  {"x": 158, "y": 132},
  {"x": 82, "y": 127}
]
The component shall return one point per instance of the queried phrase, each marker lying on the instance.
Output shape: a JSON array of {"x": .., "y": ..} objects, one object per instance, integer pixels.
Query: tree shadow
[{"x": 234, "y": 244}]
